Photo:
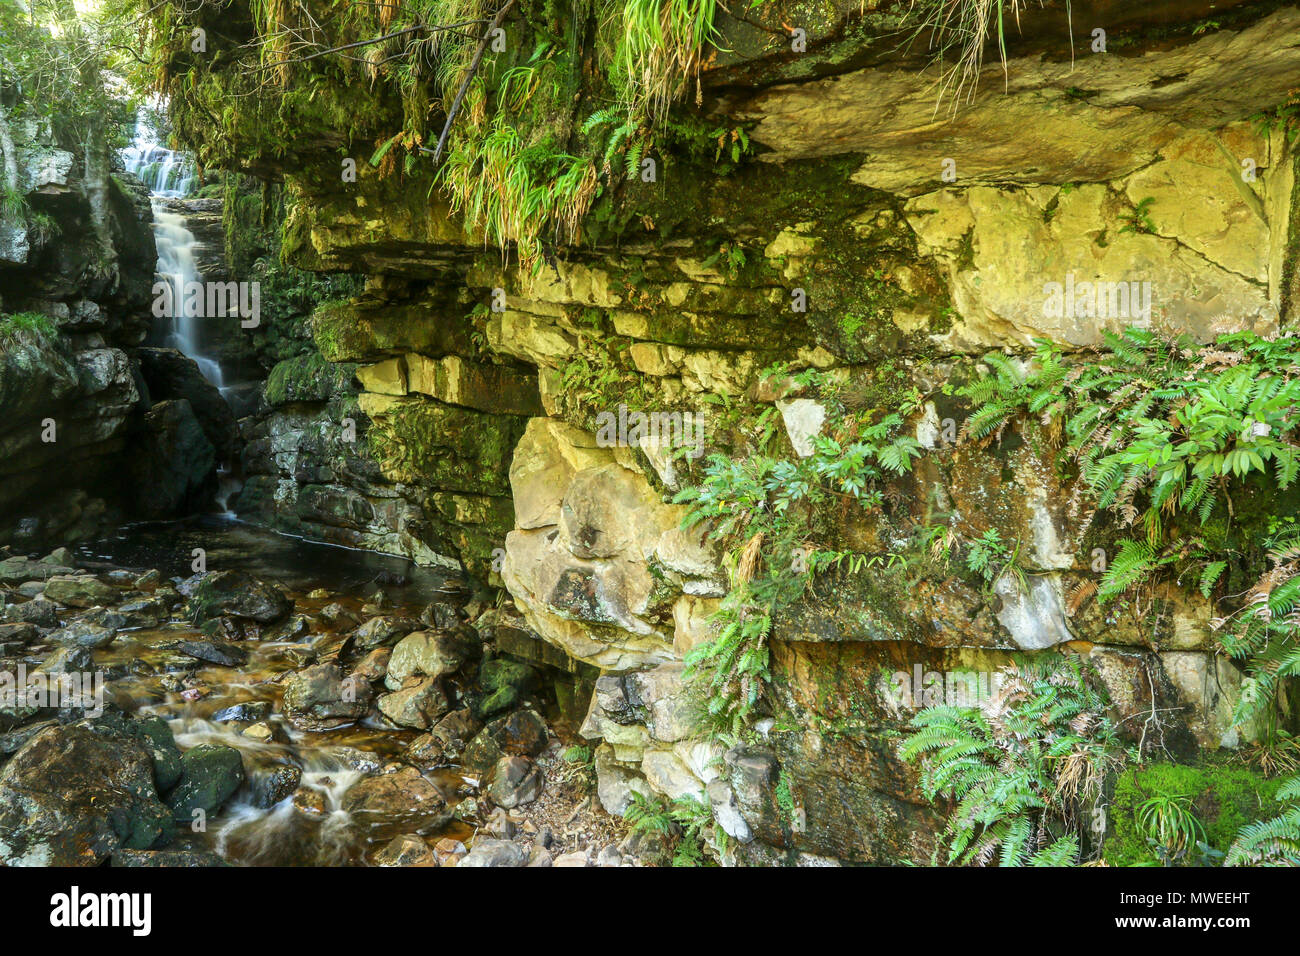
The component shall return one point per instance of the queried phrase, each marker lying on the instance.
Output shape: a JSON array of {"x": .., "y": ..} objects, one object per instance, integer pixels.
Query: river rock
[
  {"x": 404, "y": 800},
  {"x": 170, "y": 374},
  {"x": 72, "y": 797},
  {"x": 495, "y": 853},
  {"x": 409, "y": 849},
  {"x": 209, "y": 775},
  {"x": 513, "y": 782},
  {"x": 318, "y": 698},
  {"x": 17, "y": 569},
  {"x": 214, "y": 652},
  {"x": 20, "y": 633},
  {"x": 249, "y": 710},
  {"x": 417, "y": 704},
  {"x": 82, "y": 590},
  {"x": 39, "y": 612},
  {"x": 429, "y": 654},
  {"x": 236, "y": 594},
  {"x": 270, "y": 782},
  {"x": 84, "y": 634},
  {"x": 166, "y": 858},
  {"x": 379, "y": 631}
]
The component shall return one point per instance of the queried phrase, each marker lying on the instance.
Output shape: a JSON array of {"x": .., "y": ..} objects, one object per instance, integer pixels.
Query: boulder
[
  {"x": 72, "y": 797},
  {"x": 399, "y": 802},
  {"x": 379, "y": 631},
  {"x": 209, "y": 776},
  {"x": 80, "y": 590},
  {"x": 170, "y": 374},
  {"x": 495, "y": 853},
  {"x": 174, "y": 465},
  {"x": 429, "y": 654},
  {"x": 513, "y": 782},
  {"x": 409, "y": 849},
  {"x": 319, "y": 698},
  {"x": 417, "y": 704},
  {"x": 236, "y": 594}
]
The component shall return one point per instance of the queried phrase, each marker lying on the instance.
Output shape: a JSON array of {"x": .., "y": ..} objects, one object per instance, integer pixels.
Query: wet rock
[
  {"x": 513, "y": 782},
  {"x": 214, "y": 652},
  {"x": 84, "y": 634},
  {"x": 409, "y": 849},
  {"x": 441, "y": 616},
  {"x": 454, "y": 731},
  {"x": 504, "y": 684},
  {"x": 429, "y": 654},
  {"x": 374, "y": 665},
  {"x": 149, "y": 580},
  {"x": 417, "y": 704},
  {"x": 60, "y": 558},
  {"x": 174, "y": 465},
  {"x": 449, "y": 851},
  {"x": 170, "y": 375},
  {"x": 397, "y": 802},
  {"x": 38, "y": 612},
  {"x": 166, "y": 858},
  {"x": 68, "y": 660},
  {"x": 146, "y": 612},
  {"x": 270, "y": 782},
  {"x": 523, "y": 733},
  {"x": 79, "y": 591},
  {"x": 319, "y": 698},
  {"x": 261, "y": 732},
  {"x": 18, "y": 569},
  {"x": 380, "y": 631},
  {"x": 236, "y": 594},
  {"x": 309, "y": 802},
  {"x": 72, "y": 796},
  {"x": 209, "y": 776},
  {"x": 338, "y": 615},
  {"x": 21, "y": 633},
  {"x": 249, "y": 710},
  {"x": 495, "y": 853},
  {"x": 296, "y": 627}
]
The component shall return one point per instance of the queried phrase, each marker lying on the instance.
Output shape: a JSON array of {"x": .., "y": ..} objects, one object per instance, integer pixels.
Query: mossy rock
[
  {"x": 1225, "y": 798},
  {"x": 307, "y": 378},
  {"x": 209, "y": 776}
]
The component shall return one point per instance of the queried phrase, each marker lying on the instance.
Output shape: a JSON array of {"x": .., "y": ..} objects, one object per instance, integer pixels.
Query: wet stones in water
[
  {"x": 448, "y": 850},
  {"x": 209, "y": 776},
  {"x": 269, "y": 783},
  {"x": 84, "y": 633},
  {"x": 18, "y": 569},
  {"x": 68, "y": 660},
  {"x": 409, "y": 849},
  {"x": 418, "y": 704},
  {"x": 338, "y": 616},
  {"x": 72, "y": 796},
  {"x": 149, "y": 580},
  {"x": 167, "y": 858},
  {"x": 80, "y": 591},
  {"x": 155, "y": 735},
  {"x": 39, "y": 612},
  {"x": 319, "y": 698},
  {"x": 249, "y": 710},
  {"x": 381, "y": 631},
  {"x": 146, "y": 612},
  {"x": 21, "y": 633},
  {"x": 441, "y": 616},
  {"x": 374, "y": 665},
  {"x": 213, "y": 652},
  {"x": 394, "y": 803},
  {"x": 514, "y": 781},
  {"x": 262, "y": 732},
  {"x": 297, "y": 626},
  {"x": 236, "y": 594},
  {"x": 446, "y": 741}
]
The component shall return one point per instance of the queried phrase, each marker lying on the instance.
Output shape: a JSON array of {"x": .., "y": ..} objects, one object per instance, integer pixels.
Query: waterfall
[{"x": 169, "y": 175}]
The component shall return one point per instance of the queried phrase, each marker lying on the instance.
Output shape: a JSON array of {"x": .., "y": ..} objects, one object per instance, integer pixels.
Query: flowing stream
[{"x": 258, "y": 826}]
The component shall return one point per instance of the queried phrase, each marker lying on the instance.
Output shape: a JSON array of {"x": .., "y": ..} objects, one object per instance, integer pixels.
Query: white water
[{"x": 169, "y": 175}]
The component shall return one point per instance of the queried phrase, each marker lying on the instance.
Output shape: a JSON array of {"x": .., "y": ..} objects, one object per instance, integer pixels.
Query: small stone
[{"x": 409, "y": 849}]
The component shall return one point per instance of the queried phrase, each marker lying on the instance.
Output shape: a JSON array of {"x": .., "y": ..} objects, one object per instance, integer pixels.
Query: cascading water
[{"x": 169, "y": 175}]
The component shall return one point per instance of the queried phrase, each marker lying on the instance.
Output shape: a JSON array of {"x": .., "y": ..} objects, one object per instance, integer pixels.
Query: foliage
[
  {"x": 1170, "y": 826},
  {"x": 686, "y": 821},
  {"x": 959, "y": 30},
  {"x": 1272, "y": 842},
  {"x": 26, "y": 328},
  {"x": 1139, "y": 220},
  {"x": 1223, "y": 797},
  {"x": 765, "y": 508},
  {"x": 1023, "y": 769}
]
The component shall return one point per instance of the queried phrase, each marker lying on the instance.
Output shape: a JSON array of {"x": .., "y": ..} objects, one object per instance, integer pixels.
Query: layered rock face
[{"x": 886, "y": 248}]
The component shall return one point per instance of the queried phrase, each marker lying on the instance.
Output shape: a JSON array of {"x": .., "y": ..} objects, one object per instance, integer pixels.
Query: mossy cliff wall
[{"x": 853, "y": 232}]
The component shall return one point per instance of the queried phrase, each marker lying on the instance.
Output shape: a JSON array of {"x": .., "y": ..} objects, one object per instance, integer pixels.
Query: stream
[{"x": 308, "y": 826}]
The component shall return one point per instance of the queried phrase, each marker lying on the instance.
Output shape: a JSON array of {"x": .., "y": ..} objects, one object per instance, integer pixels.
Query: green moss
[
  {"x": 306, "y": 378},
  {"x": 1225, "y": 797}
]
